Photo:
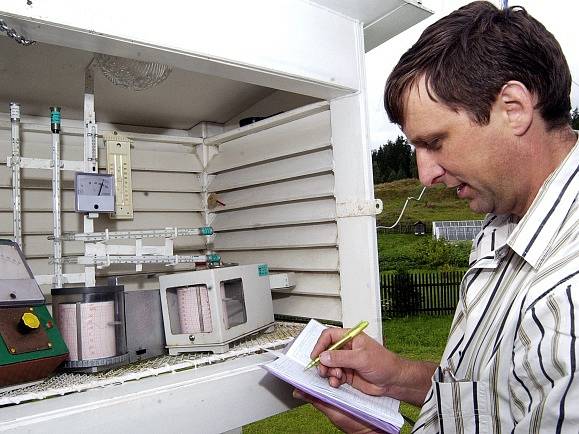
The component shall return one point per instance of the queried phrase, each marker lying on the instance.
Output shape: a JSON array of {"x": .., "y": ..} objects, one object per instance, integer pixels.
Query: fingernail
[{"x": 325, "y": 357}]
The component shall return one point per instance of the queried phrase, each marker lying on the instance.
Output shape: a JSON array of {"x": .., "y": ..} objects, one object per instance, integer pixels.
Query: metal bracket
[
  {"x": 359, "y": 208},
  {"x": 280, "y": 281}
]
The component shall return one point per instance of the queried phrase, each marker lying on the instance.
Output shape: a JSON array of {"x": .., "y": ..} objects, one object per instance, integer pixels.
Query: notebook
[{"x": 379, "y": 411}]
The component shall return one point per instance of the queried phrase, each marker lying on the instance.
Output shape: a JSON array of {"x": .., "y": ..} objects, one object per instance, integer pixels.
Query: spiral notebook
[{"x": 379, "y": 411}]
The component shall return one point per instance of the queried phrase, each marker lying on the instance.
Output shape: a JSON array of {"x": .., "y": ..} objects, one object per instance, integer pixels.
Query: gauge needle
[{"x": 101, "y": 188}]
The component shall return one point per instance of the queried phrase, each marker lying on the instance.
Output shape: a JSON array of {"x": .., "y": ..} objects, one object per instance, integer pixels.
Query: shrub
[{"x": 405, "y": 296}]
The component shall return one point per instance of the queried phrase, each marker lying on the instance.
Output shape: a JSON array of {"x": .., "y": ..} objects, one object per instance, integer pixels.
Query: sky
[{"x": 559, "y": 17}]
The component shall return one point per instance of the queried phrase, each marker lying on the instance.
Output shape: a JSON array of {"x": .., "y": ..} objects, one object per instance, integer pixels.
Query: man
[{"x": 484, "y": 97}]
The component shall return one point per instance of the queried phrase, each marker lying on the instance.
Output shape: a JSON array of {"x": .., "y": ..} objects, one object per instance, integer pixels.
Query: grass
[
  {"x": 437, "y": 203},
  {"x": 419, "y": 338}
]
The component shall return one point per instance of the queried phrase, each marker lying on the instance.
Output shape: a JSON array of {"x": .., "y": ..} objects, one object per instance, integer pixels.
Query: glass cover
[{"x": 234, "y": 312}]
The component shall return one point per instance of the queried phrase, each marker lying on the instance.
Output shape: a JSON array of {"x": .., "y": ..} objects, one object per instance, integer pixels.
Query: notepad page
[
  {"x": 381, "y": 407},
  {"x": 379, "y": 410},
  {"x": 302, "y": 346}
]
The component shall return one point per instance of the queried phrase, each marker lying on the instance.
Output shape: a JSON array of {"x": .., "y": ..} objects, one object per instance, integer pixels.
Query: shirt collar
[{"x": 540, "y": 225}]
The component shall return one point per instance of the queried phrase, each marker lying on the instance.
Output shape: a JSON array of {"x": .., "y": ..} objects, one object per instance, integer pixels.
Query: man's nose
[{"x": 429, "y": 170}]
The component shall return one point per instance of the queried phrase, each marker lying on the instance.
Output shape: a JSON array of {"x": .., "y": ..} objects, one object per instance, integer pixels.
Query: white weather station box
[{"x": 242, "y": 186}]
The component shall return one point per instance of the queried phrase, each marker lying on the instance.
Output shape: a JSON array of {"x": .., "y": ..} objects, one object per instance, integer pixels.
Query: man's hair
[{"x": 467, "y": 57}]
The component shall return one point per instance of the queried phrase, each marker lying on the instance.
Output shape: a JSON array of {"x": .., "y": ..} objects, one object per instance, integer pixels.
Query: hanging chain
[{"x": 13, "y": 34}]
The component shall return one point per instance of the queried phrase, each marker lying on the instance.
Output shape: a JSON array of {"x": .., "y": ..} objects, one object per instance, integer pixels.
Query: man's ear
[{"x": 518, "y": 104}]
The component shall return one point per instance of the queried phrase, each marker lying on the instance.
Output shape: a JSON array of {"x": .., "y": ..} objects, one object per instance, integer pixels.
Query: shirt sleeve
[{"x": 544, "y": 382}]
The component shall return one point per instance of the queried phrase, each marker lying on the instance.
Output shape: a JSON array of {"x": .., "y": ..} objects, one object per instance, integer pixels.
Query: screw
[
  {"x": 49, "y": 345},
  {"x": 12, "y": 350},
  {"x": 191, "y": 338}
]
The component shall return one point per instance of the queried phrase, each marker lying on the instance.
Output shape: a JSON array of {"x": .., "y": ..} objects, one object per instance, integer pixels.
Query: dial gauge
[
  {"x": 94, "y": 192},
  {"x": 11, "y": 263}
]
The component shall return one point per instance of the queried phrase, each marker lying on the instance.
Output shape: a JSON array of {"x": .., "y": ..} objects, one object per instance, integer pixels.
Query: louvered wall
[
  {"x": 278, "y": 189},
  {"x": 166, "y": 193}
]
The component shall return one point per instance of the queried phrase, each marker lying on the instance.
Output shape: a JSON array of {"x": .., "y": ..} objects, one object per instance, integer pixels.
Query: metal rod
[
  {"x": 57, "y": 244},
  {"x": 137, "y": 234},
  {"x": 15, "y": 164}
]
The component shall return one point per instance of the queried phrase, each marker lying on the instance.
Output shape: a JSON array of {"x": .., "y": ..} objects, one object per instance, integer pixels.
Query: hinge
[{"x": 359, "y": 208}]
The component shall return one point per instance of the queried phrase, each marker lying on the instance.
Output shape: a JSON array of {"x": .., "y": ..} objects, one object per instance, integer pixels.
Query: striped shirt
[{"x": 510, "y": 364}]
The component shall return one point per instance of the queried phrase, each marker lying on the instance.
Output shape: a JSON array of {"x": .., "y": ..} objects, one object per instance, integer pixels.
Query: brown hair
[{"x": 467, "y": 57}]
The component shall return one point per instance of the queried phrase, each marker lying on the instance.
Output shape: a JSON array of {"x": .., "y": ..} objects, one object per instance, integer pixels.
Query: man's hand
[
  {"x": 371, "y": 368},
  {"x": 362, "y": 363},
  {"x": 342, "y": 420}
]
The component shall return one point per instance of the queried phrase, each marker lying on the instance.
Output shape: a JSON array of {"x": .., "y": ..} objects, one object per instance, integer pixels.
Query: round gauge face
[
  {"x": 11, "y": 264},
  {"x": 94, "y": 185}
]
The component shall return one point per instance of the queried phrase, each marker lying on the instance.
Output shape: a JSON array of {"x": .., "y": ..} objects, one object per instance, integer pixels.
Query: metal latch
[{"x": 359, "y": 208}]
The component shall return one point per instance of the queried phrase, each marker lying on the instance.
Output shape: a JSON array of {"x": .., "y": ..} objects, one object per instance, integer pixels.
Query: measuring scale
[{"x": 31, "y": 346}]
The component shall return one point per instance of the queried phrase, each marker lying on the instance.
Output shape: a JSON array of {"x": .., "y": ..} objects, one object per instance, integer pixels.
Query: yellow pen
[{"x": 339, "y": 344}]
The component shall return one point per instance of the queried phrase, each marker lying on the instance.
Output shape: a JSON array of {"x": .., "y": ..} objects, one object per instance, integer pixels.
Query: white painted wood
[
  {"x": 150, "y": 154},
  {"x": 178, "y": 402},
  {"x": 319, "y": 284},
  {"x": 380, "y": 29},
  {"x": 271, "y": 122},
  {"x": 38, "y": 246},
  {"x": 307, "y": 68},
  {"x": 142, "y": 180},
  {"x": 324, "y": 308},
  {"x": 290, "y": 168},
  {"x": 317, "y": 235},
  {"x": 277, "y": 215},
  {"x": 168, "y": 161},
  {"x": 302, "y": 135},
  {"x": 276, "y": 102},
  {"x": 137, "y": 133},
  {"x": 313, "y": 187},
  {"x": 320, "y": 259},
  {"x": 163, "y": 181},
  {"x": 41, "y": 200},
  {"x": 360, "y": 291}
]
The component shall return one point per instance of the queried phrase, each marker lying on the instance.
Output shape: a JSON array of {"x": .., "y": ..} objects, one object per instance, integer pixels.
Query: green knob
[
  {"x": 206, "y": 230},
  {"x": 213, "y": 258}
]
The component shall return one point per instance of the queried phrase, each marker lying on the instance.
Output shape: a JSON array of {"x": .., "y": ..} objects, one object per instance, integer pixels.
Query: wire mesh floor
[{"x": 64, "y": 383}]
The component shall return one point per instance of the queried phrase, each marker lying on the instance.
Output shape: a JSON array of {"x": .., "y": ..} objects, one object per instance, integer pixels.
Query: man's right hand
[
  {"x": 371, "y": 368},
  {"x": 363, "y": 363}
]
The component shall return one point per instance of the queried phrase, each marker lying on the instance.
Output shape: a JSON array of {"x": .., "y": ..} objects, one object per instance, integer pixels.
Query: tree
[
  {"x": 575, "y": 119},
  {"x": 394, "y": 160}
]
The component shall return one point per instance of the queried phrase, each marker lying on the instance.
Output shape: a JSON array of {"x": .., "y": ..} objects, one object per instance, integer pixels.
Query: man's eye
[{"x": 434, "y": 144}]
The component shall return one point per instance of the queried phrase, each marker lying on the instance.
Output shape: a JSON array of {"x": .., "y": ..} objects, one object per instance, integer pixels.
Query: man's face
[{"x": 478, "y": 161}]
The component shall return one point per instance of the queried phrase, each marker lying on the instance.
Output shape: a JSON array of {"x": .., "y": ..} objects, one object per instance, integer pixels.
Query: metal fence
[
  {"x": 420, "y": 293},
  {"x": 406, "y": 228}
]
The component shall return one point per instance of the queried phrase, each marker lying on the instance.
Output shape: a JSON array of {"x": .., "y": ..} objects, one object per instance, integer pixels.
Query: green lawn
[
  {"x": 437, "y": 203},
  {"x": 413, "y": 253},
  {"x": 421, "y": 338}
]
